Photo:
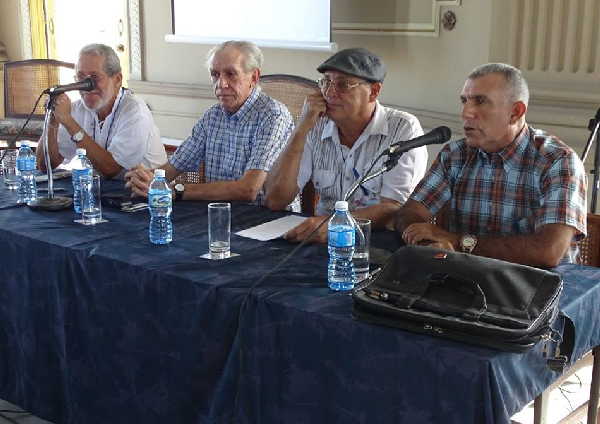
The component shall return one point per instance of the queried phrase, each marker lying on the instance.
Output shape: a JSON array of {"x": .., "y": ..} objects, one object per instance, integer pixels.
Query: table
[{"x": 99, "y": 326}]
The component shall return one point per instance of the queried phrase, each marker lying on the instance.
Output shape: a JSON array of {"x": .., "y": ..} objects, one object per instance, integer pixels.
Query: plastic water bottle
[
  {"x": 160, "y": 205},
  {"x": 341, "y": 237},
  {"x": 81, "y": 167},
  {"x": 26, "y": 165}
]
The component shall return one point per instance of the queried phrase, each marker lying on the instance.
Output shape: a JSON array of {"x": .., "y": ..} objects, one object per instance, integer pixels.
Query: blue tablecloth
[{"x": 99, "y": 326}]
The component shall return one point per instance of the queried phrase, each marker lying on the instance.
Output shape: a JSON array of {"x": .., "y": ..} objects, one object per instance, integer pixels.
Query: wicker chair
[
  {"x": 589, "y": 254},
  {"x": 290, "y": 90},
  {"x": 25, "y": 80}
]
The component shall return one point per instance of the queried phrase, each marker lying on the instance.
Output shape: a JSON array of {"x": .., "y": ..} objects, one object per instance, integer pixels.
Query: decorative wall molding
[
  {"x": 25, "y": 30},
  {"x": 171, "y": 89},
  {"x": 558, "y": 37},
  {"x": 135, "y": 41},
  {"x": 431, "y": 29}
]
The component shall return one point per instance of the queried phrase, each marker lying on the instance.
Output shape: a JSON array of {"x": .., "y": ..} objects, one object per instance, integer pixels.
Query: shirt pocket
[
  {"x": 324, "y": 182},
  {"x": 323, "y": 179}
]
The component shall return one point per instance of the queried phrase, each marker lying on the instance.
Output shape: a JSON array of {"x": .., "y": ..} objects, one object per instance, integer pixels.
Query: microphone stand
[
  {"x": 593, "y": 126},
  {"x": 50, "y": 203}
]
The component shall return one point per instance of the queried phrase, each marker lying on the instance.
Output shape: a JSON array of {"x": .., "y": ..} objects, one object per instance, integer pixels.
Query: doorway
[{"x": 71, "y": 24}]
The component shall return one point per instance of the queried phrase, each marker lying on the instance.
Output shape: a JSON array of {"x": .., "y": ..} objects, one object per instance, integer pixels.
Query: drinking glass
[
  {"x": 91, "y": 207},
  {"x": 360, "y": 258},
  {"x": 9, "y": 168},
  {"x": 219, "y": 230}
]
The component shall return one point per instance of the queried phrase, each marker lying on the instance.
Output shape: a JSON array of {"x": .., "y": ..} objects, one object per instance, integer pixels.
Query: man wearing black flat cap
[{"x": 343, "y": 129}]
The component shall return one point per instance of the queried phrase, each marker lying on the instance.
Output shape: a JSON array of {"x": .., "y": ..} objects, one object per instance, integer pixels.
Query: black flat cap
[{"x": 357, "y": 62}]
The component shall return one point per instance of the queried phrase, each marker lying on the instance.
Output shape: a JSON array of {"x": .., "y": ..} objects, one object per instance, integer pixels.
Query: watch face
[
  {"x": 78, "y": 136},
  {"x": 468, "y": 242},
  {"x": 179, "y": 187}
]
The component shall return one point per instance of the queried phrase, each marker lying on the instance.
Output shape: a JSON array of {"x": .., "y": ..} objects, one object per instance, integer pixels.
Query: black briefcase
[{"x": 463, "y": 297}]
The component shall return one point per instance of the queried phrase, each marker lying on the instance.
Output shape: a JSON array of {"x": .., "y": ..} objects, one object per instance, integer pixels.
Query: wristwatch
[
  {"x": 468, "y": 243},
  {"x": 179, "y": 189},
  {"x": 78, "y": 136}
]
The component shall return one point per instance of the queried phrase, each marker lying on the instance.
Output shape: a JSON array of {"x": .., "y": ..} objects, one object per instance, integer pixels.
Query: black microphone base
[{"x": 57, "y": 203}]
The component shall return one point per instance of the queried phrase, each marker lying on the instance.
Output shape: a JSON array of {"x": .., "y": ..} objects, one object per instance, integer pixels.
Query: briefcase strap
[{"x": 563, "y": 345}]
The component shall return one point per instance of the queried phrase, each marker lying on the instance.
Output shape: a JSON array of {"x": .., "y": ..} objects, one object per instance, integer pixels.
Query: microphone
[
  {"x": 83, "y": 85},
  {"x": 438, "y": 135}
]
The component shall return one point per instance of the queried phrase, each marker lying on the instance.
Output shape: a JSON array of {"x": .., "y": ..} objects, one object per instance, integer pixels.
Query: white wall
[{"x": 425, "y": 73}]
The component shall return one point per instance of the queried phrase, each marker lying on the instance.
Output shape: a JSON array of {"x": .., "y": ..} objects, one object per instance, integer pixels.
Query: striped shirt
[
  {"x": 536, "y": 180},
  {"x": 333, "y": 167},
  {"x": 231, "y": 144}
]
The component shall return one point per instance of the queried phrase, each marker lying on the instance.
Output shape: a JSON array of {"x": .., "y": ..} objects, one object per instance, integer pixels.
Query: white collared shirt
[
  {"x": 128, "y": 133},
  {"x": 333, "y": 168}
]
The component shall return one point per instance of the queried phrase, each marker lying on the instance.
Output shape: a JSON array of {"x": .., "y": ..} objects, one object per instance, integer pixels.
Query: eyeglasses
[{"x": 341, "y": 86}]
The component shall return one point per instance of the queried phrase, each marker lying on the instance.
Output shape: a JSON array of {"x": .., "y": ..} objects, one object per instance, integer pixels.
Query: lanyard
[{"x": 114, "y": 116}]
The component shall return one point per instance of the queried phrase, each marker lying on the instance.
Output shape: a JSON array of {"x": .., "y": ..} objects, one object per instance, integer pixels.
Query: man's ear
[
  {"x": 255, "y": 77},
  {"x": 118, "y": 79},
  {"x": 518, "y": 111},
  {"x": 375, "y": 89}
]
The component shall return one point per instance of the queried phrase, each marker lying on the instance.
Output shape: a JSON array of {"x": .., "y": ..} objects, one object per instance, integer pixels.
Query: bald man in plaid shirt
[{"x": 507, "y": 191}]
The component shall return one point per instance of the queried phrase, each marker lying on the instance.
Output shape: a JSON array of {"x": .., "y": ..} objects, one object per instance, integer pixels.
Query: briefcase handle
[{"x": 452, "y": 295}]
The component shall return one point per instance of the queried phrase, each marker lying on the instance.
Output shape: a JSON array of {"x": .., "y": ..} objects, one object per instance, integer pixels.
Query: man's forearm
[
  {"x": 544, "y": 249},
  {"x": 55, "y": 157},
  {"x": 219, "y": 190},
  {"x": 380, "y": 215},
  {"x": 101, "y": 159},
  {"x": 412, "y": 212},
  {"x": 245, "y": 189},
  {"x": 281, "y": 186}
]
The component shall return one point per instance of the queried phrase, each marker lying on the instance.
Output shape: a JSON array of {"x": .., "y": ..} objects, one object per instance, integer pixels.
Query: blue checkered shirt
[
  {"x": 231, "y": 144},
  {"x": 536, "y": 180}
]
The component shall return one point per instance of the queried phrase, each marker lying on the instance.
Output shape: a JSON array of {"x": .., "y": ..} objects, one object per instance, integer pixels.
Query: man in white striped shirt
[{"x": 343, "y": 129}]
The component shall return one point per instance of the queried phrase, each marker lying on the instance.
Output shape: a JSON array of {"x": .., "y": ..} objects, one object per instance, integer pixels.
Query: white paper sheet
[{"x": 272, "y": 229}]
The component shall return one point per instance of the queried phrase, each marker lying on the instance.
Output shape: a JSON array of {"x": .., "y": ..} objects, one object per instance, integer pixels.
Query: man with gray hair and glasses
[
  {"x": 115, "y": 127},
  {"x": 343, "y": 129},
  {"x": 237, "y": 139},
  {"x": 505, "y": 191}
]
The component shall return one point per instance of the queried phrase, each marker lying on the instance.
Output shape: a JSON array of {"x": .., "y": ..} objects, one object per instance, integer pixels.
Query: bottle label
[
  {"x": 160, "y": 200},
  {"x": 341, "y": 238}
]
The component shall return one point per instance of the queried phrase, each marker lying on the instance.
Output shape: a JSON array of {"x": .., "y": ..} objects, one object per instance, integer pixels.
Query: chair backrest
[
  {"x": 589, "y": 248},
  {"x": 25, "y": 80},
  {"x": 291, "y": 90}
]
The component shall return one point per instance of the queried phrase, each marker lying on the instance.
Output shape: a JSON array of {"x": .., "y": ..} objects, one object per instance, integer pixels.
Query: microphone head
[
  {"x": 444, "y": 133},
  {"x": 87, "y": 84}
]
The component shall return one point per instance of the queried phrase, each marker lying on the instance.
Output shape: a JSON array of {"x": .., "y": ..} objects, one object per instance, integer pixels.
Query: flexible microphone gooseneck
[
  {"x": 86, "y": 84},
  {"x": 438, "y": 135}
]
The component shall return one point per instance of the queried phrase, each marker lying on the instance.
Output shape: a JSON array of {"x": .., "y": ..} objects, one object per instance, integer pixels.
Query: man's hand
[
  {"x": 302, "y": 231},
  {"x": 138, "y": 180},
  {"x": 314, "y": 108},
  {"x": 62, "y": 109},
  {"x": 424, "y": 233}
]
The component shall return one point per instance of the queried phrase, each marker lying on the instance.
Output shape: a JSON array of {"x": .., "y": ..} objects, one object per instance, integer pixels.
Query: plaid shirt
[
  {"x": 536, "y": 180},
  {"x": 231, "y": 144}
]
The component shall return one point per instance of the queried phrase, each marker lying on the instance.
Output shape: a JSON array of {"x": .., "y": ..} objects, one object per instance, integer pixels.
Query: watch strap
[{"x": 178, "y": 193}]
